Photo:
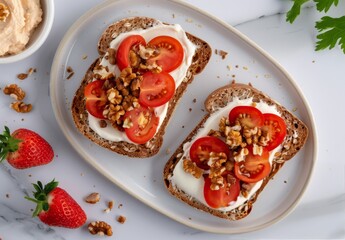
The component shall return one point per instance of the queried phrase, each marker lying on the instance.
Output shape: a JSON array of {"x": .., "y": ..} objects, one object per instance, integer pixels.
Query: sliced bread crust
[
  {"x": 80, "y": 116},
  {"x": 297, "y": 134}
]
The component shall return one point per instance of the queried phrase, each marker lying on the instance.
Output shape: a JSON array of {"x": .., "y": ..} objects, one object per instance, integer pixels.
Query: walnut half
[
  {"x": 14, "y": 91},
  {"x": 21, "y": 107},
  {"x": 101, "y": 228}
]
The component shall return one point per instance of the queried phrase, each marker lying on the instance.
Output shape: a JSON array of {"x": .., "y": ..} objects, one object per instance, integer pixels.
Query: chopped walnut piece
[
  {"x": 121, "y": 219},
  {"x": 114, "y": 96},
  {"x": 21, "y": 107},
  {"x": 110, "y": 206},
  {"x": 100, "y": 227},
  {"x": 192, "y": 168},
  {"x": 22, "y": 76},
  {"x": 93, "y": 198},
  {"x": 31, "y": 71},
  {"x": 102, "y": 123},
  {"x": 4, "y": 12},
  {"x": 111, "y": 56},
  {"x": 14, "y": 91}
]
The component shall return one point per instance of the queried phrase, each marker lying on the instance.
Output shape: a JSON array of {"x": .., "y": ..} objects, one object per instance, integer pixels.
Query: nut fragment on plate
[
  {"x": 14, "y": 91},
  {"x": 100, "y": 227},
  {"x": 93, "y": 198}
]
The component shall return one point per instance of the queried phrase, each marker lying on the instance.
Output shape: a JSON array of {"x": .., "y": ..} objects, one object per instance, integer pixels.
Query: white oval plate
[{"x": 245, "y": 63}]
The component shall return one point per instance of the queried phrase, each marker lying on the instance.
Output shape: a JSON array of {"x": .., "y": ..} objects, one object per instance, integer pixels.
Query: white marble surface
[{"x": 321, "y": 212}]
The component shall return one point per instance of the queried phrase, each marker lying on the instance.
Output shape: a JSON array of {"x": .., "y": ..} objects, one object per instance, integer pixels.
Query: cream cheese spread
[
  {"x": 193, "y": 186},
  {"x": 178, "y": 74}
]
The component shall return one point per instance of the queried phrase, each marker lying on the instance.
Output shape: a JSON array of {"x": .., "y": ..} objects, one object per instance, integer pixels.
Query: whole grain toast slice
[
  {"x": 297, "y": 134},
  {"x": 80, "y": 116}
]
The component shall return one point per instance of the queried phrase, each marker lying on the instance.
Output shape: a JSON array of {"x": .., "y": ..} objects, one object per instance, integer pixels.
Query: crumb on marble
[{"x": 121, "y": 219}]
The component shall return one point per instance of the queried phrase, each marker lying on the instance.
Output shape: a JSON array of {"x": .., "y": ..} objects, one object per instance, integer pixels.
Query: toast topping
[
  {"x": 235, "y": 156},
  {"x": 140, "y": 75}
]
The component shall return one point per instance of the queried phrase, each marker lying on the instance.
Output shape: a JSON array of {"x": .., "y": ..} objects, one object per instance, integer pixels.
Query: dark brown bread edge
[
  {"x": 291, "y": 145},
  {"x": 200, "y": 60}
]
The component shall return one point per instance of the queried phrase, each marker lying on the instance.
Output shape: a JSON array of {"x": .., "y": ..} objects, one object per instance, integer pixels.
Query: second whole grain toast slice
[{"x": 183, "y": 177}]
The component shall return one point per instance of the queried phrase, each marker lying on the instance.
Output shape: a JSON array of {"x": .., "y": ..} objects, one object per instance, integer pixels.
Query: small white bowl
[{"x": 39, "y": 35}]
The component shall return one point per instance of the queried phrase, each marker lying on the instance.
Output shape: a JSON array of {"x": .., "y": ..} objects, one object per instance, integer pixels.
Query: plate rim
[{"x": 55, "y": 68}]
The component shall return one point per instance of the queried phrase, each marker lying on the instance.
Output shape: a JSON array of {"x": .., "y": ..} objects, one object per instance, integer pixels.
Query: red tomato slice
[
  {"x": 170, "y": 52},
  {"x": 143, "y": 123},
  {"x": 248, "y": 116},
  {"x": 224, "y": 196},
  {"x": 202, "y": 147},
  {"x": 276, "y": 129},
  {"x": 96, "y": 98},
  {"x": 122, "y": 54},
  {"x": 254, "y": 167},
  {"x": 156, "y": 89}
]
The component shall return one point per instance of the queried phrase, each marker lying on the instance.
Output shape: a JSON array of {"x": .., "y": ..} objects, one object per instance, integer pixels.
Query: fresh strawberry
[
  {"x": 55, "y": 207},
  {"x": 24, "y": 149}
]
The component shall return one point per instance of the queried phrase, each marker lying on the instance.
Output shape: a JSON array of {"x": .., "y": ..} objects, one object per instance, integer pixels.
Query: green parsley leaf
[
  {"x": 295, "y": 10},
  {"x": 332, "y": 33},
  {"x": 325, "y": 5}
]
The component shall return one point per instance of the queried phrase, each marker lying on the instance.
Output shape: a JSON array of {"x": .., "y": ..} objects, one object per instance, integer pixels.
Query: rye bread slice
[
  {"x": 297, "y": 134},
  {"x": 80, "y": 115}
]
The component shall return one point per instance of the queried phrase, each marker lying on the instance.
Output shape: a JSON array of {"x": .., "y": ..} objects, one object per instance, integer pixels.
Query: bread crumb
[
  {"x": 84, "y": 57},
  {"x": 121, "y": 219},
  {"x": 70, "y": 71},
  {"x": 221, "y": 53},
  {"x": 194, "y": 100}
]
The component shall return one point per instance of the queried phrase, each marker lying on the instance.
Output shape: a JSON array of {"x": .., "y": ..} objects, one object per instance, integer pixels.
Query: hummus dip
[{"x": 18, "y": 19}]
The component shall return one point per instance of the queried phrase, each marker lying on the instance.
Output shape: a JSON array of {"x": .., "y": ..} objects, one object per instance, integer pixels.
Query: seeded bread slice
[
  {"x": 297, "y": 134},
  {"x": 80, "y": 115}
]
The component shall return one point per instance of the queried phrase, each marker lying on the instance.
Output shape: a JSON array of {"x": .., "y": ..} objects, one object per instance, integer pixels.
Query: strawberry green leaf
[
  {"x": 295, "y": 10},
  {"x": 325, "y": 5},
  {"x": 332, "y": 32},
  {"x": 41, "y": 196},
  {"x": 8, "y": 144}
]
